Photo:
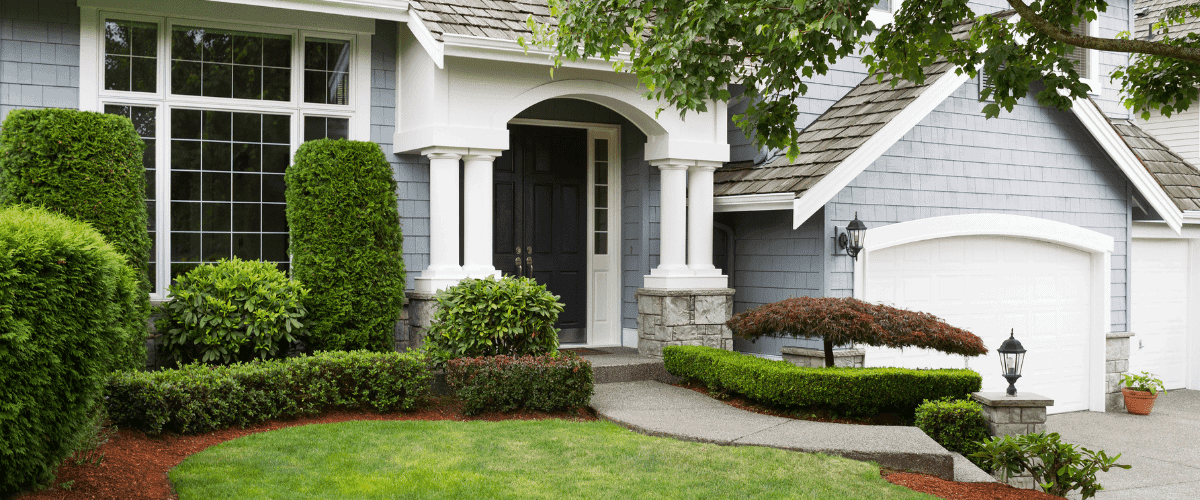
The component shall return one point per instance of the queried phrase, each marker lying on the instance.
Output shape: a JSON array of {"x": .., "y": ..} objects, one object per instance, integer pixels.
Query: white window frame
[
  {"x": 1091, "y": 74},
  {"x": 93, "y": 96},
  {"x": 881, "y": 16}
]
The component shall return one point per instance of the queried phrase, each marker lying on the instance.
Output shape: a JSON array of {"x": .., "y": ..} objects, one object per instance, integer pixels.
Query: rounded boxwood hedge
[
  {"x": 64, "y": 292},
  {"x": 346, "y": 243},
  {"x": 87, "y": 166}
]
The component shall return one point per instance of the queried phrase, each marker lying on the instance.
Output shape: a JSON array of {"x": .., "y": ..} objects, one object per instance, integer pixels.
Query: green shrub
[
  {"x": 956, "y": 424},
  {"x": 87, "y": 166},
  {"x": 850, "y": 391},
  {"x": 199, "y": 398},
  {"x": 64, "y": 296},
  {"x": 345, "y": 243},
  {"x": 549, "y": 382},
  {"x": 236, "y": 310},
  {"x": 1059, "y": 468},
  {"x": 489, "y": 317}
]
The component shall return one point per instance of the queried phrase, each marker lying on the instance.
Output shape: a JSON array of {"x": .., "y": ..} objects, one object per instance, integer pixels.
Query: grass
[{"x": 511, "y": 459}]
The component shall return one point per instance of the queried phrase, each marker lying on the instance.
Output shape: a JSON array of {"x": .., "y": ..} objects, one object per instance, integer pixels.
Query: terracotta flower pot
[{"x": 1138, "y": 402}]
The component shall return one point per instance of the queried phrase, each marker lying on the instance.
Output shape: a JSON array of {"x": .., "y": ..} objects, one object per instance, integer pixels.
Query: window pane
[
  {"x": 602, "y": 219},
  {"x": 130, "y": 56},
  {"x": 338, "y": 128},
  {"x": 319, "y": 127},
  {"x": 143, "y": 119},
  {"x": 601, "y": 244},
  {"x": 601, "y": 196},
  {"x": 236, "y": 64},
  {"x": 326, "y": 71},
  {"x": 226, "y": 208}
]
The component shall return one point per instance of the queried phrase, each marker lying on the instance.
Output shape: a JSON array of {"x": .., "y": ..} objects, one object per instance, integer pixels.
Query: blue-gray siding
[{"x": 39, "y": 55}]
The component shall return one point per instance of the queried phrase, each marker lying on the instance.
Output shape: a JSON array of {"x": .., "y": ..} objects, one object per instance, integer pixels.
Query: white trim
[
  {"x": 1091, "y": 75},
  {"x": 862, "y": 157},
  {"x": 428, "y": 42},
  {"x": 495, "y": 49},
  {"x": 753, "y": 202},
  {"x": 390, "y": 10},
  {"x": 881, "y": 17},
  {"x": 1094, "y": 120},
  {"x": 90, "y": 55},
  {"x": 230, "y": 11},
  {"x": 1099, "y": 245}
]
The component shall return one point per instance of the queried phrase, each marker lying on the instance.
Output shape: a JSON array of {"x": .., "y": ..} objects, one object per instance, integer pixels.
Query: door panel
[
  {"x": 542, "y": 235},
  {"x": 1159, "y": 291}
]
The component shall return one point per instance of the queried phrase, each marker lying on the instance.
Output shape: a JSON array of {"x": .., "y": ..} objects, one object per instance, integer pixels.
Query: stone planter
[
  {"x": 815, "y": 358},
  {"x": 1138, "y": 402}
]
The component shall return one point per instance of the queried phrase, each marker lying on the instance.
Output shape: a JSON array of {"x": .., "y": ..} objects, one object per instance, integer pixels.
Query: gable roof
[
  {"x": 1178, "y": 178},
  {"x": 1154, "y": 10},
  {"x": 496, "y": 19}
]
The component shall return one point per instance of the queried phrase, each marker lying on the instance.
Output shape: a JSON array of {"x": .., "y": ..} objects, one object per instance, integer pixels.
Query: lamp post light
[
  {"x": 852, "y": 238},
  {"x": 1012, "y": 359}
]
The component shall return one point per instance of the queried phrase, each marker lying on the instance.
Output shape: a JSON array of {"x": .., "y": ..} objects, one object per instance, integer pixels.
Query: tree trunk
[{"x": 828, "y": 354}]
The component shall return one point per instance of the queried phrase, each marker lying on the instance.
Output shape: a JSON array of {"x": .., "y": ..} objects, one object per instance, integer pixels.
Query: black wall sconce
[{"x": 852, "y": 237}]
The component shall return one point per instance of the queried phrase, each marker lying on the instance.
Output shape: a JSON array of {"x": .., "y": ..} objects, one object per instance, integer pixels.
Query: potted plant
[{"x": 1140, "y": 392}]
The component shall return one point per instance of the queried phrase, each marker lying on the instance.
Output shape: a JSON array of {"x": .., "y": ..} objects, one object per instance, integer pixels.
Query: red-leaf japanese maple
[{"x": 848, "y": 320}]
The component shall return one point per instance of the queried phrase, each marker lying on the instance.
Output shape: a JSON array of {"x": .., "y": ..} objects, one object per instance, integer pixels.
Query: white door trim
[
  {"x": 599, "y": 267},
  {"x": 1099, "y": 245}
]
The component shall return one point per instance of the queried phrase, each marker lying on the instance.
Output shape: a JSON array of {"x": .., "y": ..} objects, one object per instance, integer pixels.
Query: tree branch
[{"x": 1106, "y": 44}]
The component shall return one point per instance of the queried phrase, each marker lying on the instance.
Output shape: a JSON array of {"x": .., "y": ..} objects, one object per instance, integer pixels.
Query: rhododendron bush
[{"x": 842, "y": 321}]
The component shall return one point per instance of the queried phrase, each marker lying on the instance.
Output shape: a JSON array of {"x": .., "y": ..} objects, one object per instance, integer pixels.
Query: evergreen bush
[
  {"x": 489, "y": 317},
  {"x": 549, "y": 382},
  {"x": 956, "y": 424},
  {"x": 87, "y": 166},
  {"x": 346, "y": 243},
  {"x": 848, "y": 391},
  {"x": 235, "y": 310},
  {"x": 64, "y": 296}
]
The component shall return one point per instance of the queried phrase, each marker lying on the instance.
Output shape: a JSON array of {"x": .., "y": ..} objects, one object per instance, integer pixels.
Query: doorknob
[
  {"x": 518, "y": 263},
  {"x": 518, "y": 251},
  {"x": 528, "y": 250},
  {"x": 529, "y": 262}
]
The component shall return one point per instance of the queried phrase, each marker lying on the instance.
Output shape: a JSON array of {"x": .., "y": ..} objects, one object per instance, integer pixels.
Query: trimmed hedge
[
  {"x": 235, "y": 310},
  {"x": 87, "y": 166},
  {"x": 958, "y": 425},
  {"x": 549, "y": 382},
  {"x": 200, "y": 398},
  {"x": 850, "y": 391},
  {"x": 489, "y": 317},
  {"x": 346, "y": 243},
  {"x": 64, "y": 296}
]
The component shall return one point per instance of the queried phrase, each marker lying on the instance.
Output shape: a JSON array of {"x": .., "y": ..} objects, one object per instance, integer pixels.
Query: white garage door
[
  {"x": 989, "y": 285},
  {"x": 1159, "y": 293}
]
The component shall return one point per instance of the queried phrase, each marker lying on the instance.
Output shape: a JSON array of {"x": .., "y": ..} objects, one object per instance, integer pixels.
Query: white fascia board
[
  {"x": 436, "y": 49},
  {"x": 887, "y": 136},
  {"x": 494, "y": 49},
  {"x": 753, "y": 202},
  {"x": 391, "y": 11},
  {"x": 275, "y": 12},
  {"x": 1102, "y": 130},
  {"x": 1157, "y": 229}
]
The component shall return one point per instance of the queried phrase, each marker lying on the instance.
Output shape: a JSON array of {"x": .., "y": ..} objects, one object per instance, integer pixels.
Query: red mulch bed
[
  {"x": 135, "y": 465},
  {"x": 814, "y": 414},
  {"x": 942, "y": 488}
]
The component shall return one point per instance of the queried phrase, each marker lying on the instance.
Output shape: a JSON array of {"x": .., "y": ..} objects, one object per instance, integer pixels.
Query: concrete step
[{"x": 624, "y": 364}]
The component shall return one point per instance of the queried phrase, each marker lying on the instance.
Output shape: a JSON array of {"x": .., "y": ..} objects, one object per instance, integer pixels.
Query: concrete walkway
[
  {"x": 659, "y": 409},
  {"x": 1163, "y": 448}
]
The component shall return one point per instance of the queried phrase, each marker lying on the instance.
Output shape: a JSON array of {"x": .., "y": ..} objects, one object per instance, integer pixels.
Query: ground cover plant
[
  {"x": 488, "y": 317},
  {"x": 840, "y": 321},
  {"x": 1059, "y": 468},
  {"x": 199, "y": 398},
  {"x": 87, "y": 166},
  {"x": 345, "y": 242},
  {"x": 849, "y": 391},
  {"x": 550, "y": 382},
  {"x": 65, "y": 294},
  {"x": 511, "y": 459},
  {"x": 235, "y": 310}
]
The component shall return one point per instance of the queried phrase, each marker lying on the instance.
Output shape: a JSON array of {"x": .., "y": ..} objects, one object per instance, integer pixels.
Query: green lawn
[{"x": 510, "y": 459}]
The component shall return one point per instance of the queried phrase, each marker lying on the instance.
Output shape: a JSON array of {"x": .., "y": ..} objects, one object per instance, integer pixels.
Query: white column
[
  {"x": 477, "y": 213},
  {"x": 443, "y": 270},
  {"x": 673, "y": 223},
  {"x": 700, "y": 219}
]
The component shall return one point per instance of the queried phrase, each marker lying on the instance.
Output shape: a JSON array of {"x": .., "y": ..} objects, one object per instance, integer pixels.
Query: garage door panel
[
  {"x": 989, "y": 285},
  {"x": 1159, "y": 313}
]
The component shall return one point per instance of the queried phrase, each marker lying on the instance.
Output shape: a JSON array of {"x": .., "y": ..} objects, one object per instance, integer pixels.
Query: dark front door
[{"x": 541, "y": 217}]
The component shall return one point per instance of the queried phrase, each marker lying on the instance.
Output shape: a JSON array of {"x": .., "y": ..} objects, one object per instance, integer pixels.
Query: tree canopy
[
  {"x": 688, "y": 52},
  {"x": 851, "y": 321}
]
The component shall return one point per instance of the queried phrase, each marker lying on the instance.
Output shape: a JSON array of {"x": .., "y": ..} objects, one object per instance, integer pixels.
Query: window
[
  {"x": 883, "y": 12},
  {"x": 601, "y": 200},
  {"x": 223, "y": 107}
]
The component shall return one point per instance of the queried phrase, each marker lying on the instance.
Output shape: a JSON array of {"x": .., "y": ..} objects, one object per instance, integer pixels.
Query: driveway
[{"x": 1163, "y": 448}]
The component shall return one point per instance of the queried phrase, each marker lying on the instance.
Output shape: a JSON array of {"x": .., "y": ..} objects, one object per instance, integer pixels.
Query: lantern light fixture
[
  {"x": 1012, "y": 360},
  {"x": 852, "y": 238}
]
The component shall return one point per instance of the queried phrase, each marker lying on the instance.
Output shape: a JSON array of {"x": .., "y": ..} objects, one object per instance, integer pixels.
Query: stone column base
[
  {"x": 815, "y": 358},
  {"x": 1007, "y": 415},
  {"x": 683, "y": 317},
  {"x": 418, "y": 316},
  {"x": 1116, "y": 363}
]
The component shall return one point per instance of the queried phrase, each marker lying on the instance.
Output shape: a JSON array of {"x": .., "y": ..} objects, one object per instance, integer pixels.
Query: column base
[
  {"x": 683, "y": 317},
  {"x": 421, "y": 309},
  {"x": 432, "y": 280},
  {"x": 688, "y": 281},
  {"x": 481, "y": 272}
]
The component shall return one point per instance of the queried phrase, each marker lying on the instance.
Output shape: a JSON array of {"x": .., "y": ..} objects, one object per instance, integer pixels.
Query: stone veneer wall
[
  {"x": 1116, "y": 363},
  {"x": 1006, "y": 415},
  {"x": 683, "y": 317},
  {"x": 815, "y": 358},
  {"x": 417, "y": 317}
]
